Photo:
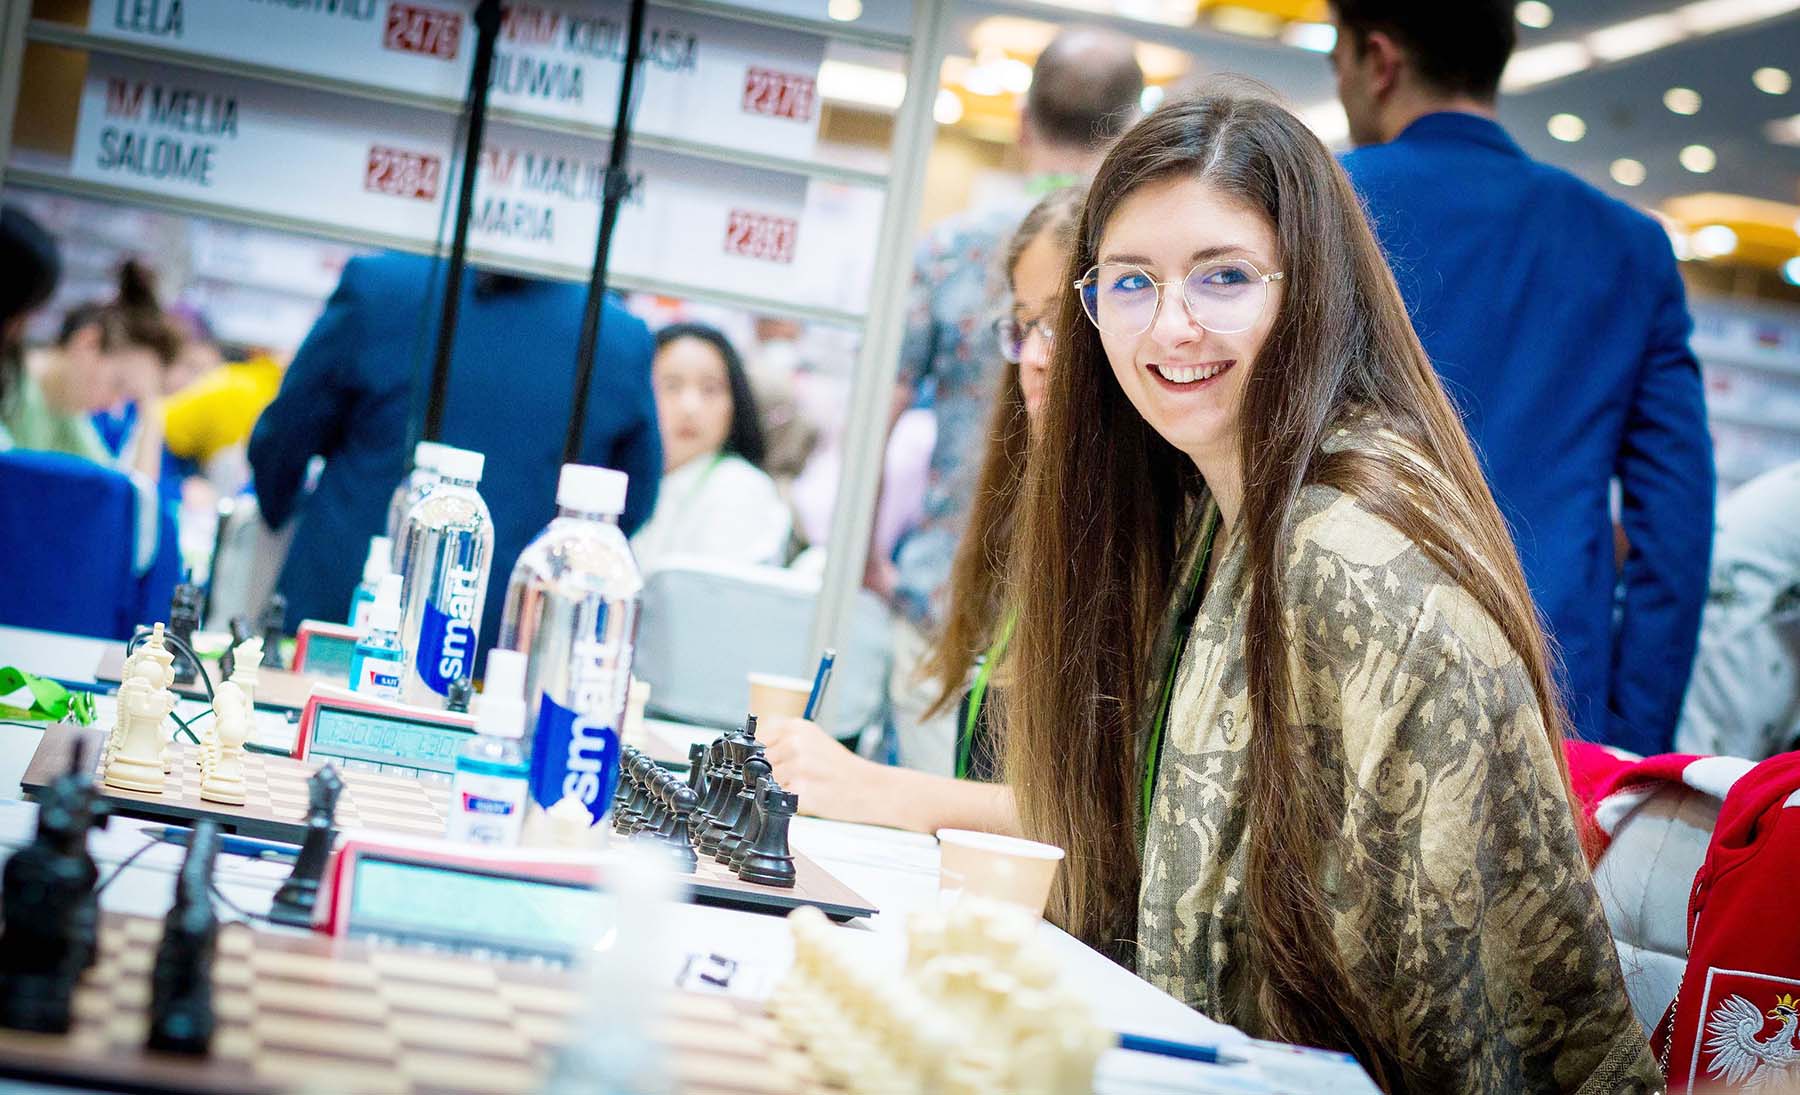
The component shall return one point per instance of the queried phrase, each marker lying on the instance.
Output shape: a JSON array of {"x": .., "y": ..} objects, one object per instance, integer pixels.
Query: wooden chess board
[
  {"x": 275, "y": 792},
  {"x": 275, "y": 809},
  {"x": 277, "y": 689},
  {"x": 302, "y": 1013}
]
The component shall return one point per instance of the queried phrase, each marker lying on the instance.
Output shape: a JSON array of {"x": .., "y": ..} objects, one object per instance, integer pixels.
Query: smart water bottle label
[
  {"x": 447, "y": 639},
  {"x": 572, "y": 755}
]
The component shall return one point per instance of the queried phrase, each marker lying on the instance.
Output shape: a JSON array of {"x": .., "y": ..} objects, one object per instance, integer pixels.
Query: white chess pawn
[
  {"x": 136, "y": 763},
  {"x": 246, "y": 662},
  {"x": 223, "y": 766}
]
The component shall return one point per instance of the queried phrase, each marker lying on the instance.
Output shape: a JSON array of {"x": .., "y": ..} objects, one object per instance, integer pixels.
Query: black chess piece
[
  {"x": 50, "y": 909},
  {"x": 697, "y": 770},
  {"x": 656, "y": 810},
  {"x": 181, "y": 1011},
  {"x": 623, "y": 788},
  {"x": 459, "y": 695},
  {"x": 680, "y": 841},
  {"x": 274, "y": 616},
  {"x": 743, "y": 814},
  {"x": 241, "y": 628},
  {"x": 295, "y": 900},
  {"x": 752, "y": 826},
  {"x": 637, "y": 808},
  {"x": 769, "y": 861},
  {"x": 184, "y": 620}
]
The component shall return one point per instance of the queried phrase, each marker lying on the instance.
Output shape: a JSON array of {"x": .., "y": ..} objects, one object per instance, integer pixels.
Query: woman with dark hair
[
  {"x": 107, "y": 354},
  {"x": 1277, "y": 685},
  {"x": 715, "y": 499},
  {"x": 29, "y": 270}
]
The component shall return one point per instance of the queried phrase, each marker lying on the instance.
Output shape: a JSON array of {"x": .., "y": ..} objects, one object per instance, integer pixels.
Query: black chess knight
[
  {"x": 51, "y": 912},
  {"x": 181, "y": 1010},
  {"x": 184, "y": 620}
]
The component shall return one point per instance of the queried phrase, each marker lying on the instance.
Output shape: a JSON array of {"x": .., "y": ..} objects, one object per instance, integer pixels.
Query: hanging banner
[
  {"x": 706, "y": 79},
  {"x": 377, "y": 169}
]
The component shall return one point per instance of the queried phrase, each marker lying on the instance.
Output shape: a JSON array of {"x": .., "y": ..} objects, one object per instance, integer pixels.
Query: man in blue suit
[
  {"x": 1556, "y": 319},
  {"x": 365, "y": 365}
]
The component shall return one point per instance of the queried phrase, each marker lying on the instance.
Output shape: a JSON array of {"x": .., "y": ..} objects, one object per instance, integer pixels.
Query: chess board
[
  {"x": 299, "y": 1012},
  {"x": 275, "y": 809},
  {"x": 275, "y": 792},
  {"x": 277, "y": 689}
]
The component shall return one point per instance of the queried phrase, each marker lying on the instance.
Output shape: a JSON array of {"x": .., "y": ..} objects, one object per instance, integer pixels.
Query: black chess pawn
[
  {"x": 295, "y": 900},
  {"x": 184, "y": 620},
  {"x": 181, "y": 1011},
  {"x": 50, "y": 911},
  {"x": 752, "y": 824},
  {"x": 743, "y": 814},
  {"x": 656, "y": 805},
  {"x": 274, "y": 617},
  {"x": 680, "y": 842},
  {"x": 769, "y": 861},
  {"x": 622, "y": 787},
  {"x": 638, "y": 808}
]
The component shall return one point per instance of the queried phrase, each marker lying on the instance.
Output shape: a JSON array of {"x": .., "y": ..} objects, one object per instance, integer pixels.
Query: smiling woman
[{"x": 1277, "y": 685}]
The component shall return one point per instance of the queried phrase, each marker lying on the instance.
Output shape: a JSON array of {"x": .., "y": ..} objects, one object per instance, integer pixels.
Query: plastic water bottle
[
  {"x": 572, "y": 610},
  {"x": 375, "y": 661},
  {"x": 449, "y": 548},
  {"x": 487, "y": 801},
  {"x": 412, "y": 488},
  {"x": 377, "y": 566}
]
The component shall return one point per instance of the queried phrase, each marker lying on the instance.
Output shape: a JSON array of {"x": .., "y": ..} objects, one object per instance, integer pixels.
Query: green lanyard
[
  {"x": 1196, "y": 581},
  {"x": 984, "y": 668}
]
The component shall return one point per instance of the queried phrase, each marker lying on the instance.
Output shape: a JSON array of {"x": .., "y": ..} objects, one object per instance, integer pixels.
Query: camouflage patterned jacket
[{"x": 1459, "y": 889}]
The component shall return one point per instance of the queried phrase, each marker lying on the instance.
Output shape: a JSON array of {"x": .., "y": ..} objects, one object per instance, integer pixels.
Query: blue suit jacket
[
  {"x": 347, "y": 395},
  {"x": 1556, "y": 318}
]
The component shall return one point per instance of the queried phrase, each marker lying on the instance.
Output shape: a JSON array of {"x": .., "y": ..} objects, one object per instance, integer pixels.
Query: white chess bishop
[
  {"x": 222, "y": 751},
  {"x": 135, "y": 747}
]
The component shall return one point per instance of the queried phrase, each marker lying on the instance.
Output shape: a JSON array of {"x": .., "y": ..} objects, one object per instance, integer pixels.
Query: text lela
[{"x": 161, "y": 18}]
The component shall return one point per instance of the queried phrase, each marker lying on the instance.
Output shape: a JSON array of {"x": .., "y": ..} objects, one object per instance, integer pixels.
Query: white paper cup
[
  {"x": 774, "y": 697},
  {"x": 1004, "y": 868}
]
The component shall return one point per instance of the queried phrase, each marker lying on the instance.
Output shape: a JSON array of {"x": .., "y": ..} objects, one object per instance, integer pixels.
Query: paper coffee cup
[
  {"x": 1004, "y": 868},
  {"x": 774, "y": 697}
]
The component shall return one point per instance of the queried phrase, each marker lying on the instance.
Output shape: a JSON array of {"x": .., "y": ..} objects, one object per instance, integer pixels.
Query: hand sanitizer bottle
[
  {"x": 375, "y": 568},
  {"x": 487, "y": 801},
  {"x": 376, "y": 661}
]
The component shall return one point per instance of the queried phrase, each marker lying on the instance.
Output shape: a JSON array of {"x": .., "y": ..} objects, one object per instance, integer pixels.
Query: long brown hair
[
  {"x": 1106, "y": 499},
  {"x": 133, "y": 318},
  {"x": 975, "y": 604}
]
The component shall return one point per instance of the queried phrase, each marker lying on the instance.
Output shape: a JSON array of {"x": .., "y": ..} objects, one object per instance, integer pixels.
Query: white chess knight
[
  {"x": 222, "y": 752},
  {"x": 135, "y": 759}
]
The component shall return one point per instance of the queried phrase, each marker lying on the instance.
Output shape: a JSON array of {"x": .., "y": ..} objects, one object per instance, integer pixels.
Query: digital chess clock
[
  {"x": 349, "y": 727},
  {"x": 323, "y": 650},
  {"x": 520, "y": 903}
]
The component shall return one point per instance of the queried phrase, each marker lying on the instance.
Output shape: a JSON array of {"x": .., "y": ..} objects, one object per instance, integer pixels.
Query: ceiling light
[
  {"x": 1246, "y": 21},
  {"x": 1790, "y": 271},
  {"x": 1714, "y": 240},
  {"x": 1153, "y": 97},
  {"x": 1542, "y": 64},
  {"x": 1713, "y": 16},
  {"x": 1635, "y": 37},
  {"x": 1534, "y": 14},
  {"x": 844, "y": 11},
  {"x": 1628, "y": 172},
  {"x": 861, "y": 85},
  {"x": 947, "y": 108},
  {"x": 1567, "y": 127},
  {"x": 1682, "y": 100},
  {"x": 1772, "y": 80},
  {"x": 1318, "y": 37},
  {"x": 1699, "y": 159},
  {"x": 1784, "y": 131}
]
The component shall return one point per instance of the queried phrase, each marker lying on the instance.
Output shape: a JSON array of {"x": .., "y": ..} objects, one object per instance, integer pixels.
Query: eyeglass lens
[{"x": 1223, "y": 297}]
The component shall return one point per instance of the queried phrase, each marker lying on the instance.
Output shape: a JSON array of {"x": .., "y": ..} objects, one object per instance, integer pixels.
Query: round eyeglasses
[
  {"x": 1223, "y": 297},
  {"x": 1013, "y": 335}
]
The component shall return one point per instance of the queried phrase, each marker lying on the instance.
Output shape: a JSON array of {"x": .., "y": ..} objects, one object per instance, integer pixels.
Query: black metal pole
[
  {"x": 617, "y": 187},
  {"x": 487, "y": 30}
]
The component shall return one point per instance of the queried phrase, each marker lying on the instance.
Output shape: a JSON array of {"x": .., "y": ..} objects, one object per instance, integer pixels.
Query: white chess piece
[
  {"x": 223, "y": 766},
  {"x": 136, "y": 764},
  {"x": 246, "y": 661}
]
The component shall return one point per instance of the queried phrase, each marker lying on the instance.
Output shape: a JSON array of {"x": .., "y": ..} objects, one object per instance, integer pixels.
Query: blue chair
[{"x": 85, "y": 551}]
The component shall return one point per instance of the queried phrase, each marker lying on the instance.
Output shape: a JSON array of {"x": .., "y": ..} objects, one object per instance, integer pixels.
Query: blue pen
[
  {"x": 233, "y": 845},
  {"x": 820, "y": 680},
  {"x": 1211, "y": 1055}
]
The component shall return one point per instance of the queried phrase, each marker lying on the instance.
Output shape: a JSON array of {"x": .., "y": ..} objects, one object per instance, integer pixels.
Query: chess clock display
[
  {"x": 356, "y": 729},
  {"x": 323, "y": 650},
  {"x": 535, "y": 904}
]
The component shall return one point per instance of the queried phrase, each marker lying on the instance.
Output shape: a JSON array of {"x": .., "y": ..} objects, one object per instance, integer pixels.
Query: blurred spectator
[
  {"x": 715, "y": 500},
  {"x": 1592, "y": 379},
  {"x": 1744, "y": 700},
  {"x": 29, "y": 271}
]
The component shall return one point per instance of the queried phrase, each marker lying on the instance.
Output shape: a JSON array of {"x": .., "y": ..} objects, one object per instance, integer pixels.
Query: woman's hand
[{"x": 832, "y": 781}]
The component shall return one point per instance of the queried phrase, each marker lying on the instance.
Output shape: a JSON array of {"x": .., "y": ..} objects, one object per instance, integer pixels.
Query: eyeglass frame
[
  {"x": 1044, "y": 327},
  {"x": 1264, "y": 279}
]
